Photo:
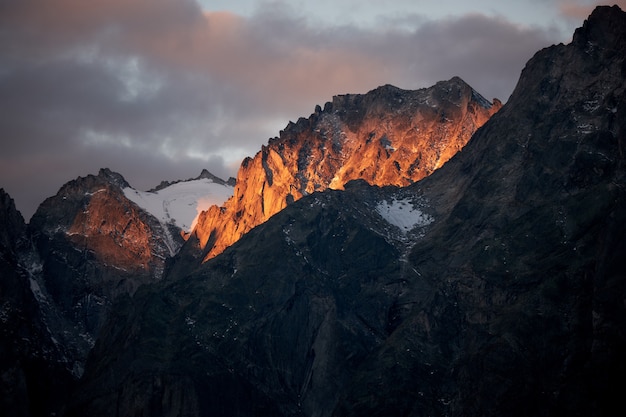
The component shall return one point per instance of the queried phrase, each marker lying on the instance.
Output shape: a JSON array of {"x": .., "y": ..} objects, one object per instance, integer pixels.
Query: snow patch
[
  {"x": 182, "y": 202},
  {"x": 36, "y": 289},
  {"x": 403, "y": 214}
]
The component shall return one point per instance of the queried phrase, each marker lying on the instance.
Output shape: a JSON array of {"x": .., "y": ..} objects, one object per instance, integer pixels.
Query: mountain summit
[
  {"x": 388, "y": 136},
  {"x": 96, "y": 240}
]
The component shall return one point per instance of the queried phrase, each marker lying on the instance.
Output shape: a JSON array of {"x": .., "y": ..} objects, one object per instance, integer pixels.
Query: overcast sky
[{"x": 159, "y": 89}]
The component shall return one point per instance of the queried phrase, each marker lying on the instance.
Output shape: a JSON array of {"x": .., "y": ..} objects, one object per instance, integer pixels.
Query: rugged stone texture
[
  {"x": 94, "y": 242},
  {"x": 525, "y": 256},
  {"x": 204, "y": 174},
  {"x": 59, "y": 276},
  {"x": 33, "y": 378},
  {"x": 388, "y": 136},
  {"x": 267, "y": 328},
  {"x": 85, "y": 247},
  {"x": 511, "y": 302}
]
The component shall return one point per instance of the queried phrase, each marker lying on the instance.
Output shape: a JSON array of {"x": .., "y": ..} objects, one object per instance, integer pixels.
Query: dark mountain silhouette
[{"x": 493, "y": 287}]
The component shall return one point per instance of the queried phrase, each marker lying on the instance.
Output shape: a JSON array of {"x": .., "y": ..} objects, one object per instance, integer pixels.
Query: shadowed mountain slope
[
  {"x": 388, "y": 136},
  {"x": 493, "y": 287}
]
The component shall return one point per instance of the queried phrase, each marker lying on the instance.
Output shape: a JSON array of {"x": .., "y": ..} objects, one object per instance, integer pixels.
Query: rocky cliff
[
  {"x": 33, "y": 376},
  {"x": 493, "y": 287},
  {"x": 93, "y": 244},
  {"x": 524, "y": 258},
  {"x": 59, "y": 276},
  {"x": 388, "y": 136}
]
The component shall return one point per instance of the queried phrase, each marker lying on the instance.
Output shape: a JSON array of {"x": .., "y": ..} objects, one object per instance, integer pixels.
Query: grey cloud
[{"x": 158, "y": 90}]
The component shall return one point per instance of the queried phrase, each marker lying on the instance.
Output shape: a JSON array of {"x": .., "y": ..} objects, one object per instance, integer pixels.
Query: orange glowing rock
[{"x": 388, "y": 136}]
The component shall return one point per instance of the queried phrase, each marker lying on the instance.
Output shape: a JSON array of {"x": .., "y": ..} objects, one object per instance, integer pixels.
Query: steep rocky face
[
  {"x": 90, "y": 244},
  {"x": 524, "y": 256},
  {"x": 493, "y": 287},
  {"x": 388, "y": 136},
  {"x": 270, "y": 327},
  {"x": 59, "y": 276},
  {"x": 92, "y": 216},
  {"x": 13, "y": 226},
  {"x": 31, "y": 363}
]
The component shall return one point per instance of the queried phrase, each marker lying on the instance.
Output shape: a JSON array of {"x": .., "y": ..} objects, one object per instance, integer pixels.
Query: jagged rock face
[
  {"x": 33, "y": 377},
  {"x": 388, "y": 136},
  {"x": 59, "y": 276},
  {"x": 505, "y": 296},
  {"x": 92, "y": 216},
  {"x": 278, "y": 319},
  {"x": 90, "y": 245},
  {"x": 13, "y": 226},
  {"x": 525, "y": 254},
  {"x": 114, "y": 231}
]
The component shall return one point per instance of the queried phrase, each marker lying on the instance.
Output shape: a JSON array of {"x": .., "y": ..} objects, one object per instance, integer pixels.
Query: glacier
[{"x": 182, "y": 202}]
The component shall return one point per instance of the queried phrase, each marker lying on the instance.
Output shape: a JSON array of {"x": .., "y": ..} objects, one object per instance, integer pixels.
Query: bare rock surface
[
  {"x": 388, "y": 136},
  {"x": 503, "y": 294}
]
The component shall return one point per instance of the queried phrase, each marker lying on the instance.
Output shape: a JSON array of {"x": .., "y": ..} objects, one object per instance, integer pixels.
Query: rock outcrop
[
  {"x": 205, "y": 174},
  {"x": 59, "y": 276},
  {"x": 33, "y": 376},
  {"x": 388, "y": 136},
  {"x": 89, "y": 245},
  {"x": 493, "y": 287},
  {"x": 526, "y": 314}
]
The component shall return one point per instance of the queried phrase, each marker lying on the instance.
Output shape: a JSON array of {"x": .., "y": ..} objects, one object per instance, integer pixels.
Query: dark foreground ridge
[{"x": 504, "y": 294}]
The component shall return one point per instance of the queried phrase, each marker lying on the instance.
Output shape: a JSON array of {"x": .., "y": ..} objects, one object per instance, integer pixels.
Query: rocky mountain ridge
[
  {"x": 504, "y": 296},
  {"x": 99, "y": 240},
  {"x": 388, "y": 136},
  {"x": 30, "y": 358},
  {"x": 492, "y": 287},
  {"x": 204, "y": 174},
  {"x": 60, "y": 274}
]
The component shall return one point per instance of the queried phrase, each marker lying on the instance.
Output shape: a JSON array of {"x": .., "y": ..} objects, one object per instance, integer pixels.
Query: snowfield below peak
[
  {"x": 180, "y": 203},
  {"x": 403, "y": 214}
]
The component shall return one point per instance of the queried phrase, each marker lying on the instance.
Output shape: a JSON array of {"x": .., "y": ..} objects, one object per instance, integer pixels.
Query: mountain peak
[
  {"x": 493, "y": 287},
  {"x": 204, "y": 174},
  {"x": 388, "y": 136},
  {"x": 12, "y": 222},
  {"x": 210, "y": 176},
  {"x": 113, "y": 177},
  {"x": 603, "y": 26}
]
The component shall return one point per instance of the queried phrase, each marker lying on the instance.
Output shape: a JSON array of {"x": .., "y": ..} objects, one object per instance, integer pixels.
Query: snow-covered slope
[
  {"x": 180, "y": 203},
  {"x": 403, "y": 214}
]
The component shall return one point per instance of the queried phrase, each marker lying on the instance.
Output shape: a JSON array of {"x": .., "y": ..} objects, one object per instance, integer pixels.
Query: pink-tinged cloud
[
  {"x": 159, "y": 89},
  {"x": 579, "y": 10}
]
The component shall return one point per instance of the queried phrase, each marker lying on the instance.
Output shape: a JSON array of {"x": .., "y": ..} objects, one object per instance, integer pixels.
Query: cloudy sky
[{"x": 159, "y": 89}]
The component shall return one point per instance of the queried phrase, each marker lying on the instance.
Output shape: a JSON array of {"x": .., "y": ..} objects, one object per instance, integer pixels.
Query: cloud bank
[{"x": 159, "y": 89}]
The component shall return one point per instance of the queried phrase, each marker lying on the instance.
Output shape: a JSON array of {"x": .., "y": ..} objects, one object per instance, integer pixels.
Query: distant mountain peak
[
  {"x": 179, "y": 202},
  {"x": 604, "y": 26},
  {"x": 113, "y": 177},
  {"x": 388, "y": 136},
  {"x": 205, "y": 173}
]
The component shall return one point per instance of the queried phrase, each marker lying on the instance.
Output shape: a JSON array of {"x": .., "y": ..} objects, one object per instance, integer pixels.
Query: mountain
[
  {"x": 181, "y": 202},
  {"x": 99, "y": 240},
  {"x": 388, "y": 136},
  {"x": 500, "y": 291},
  {"x": 96, "y": 240}
]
